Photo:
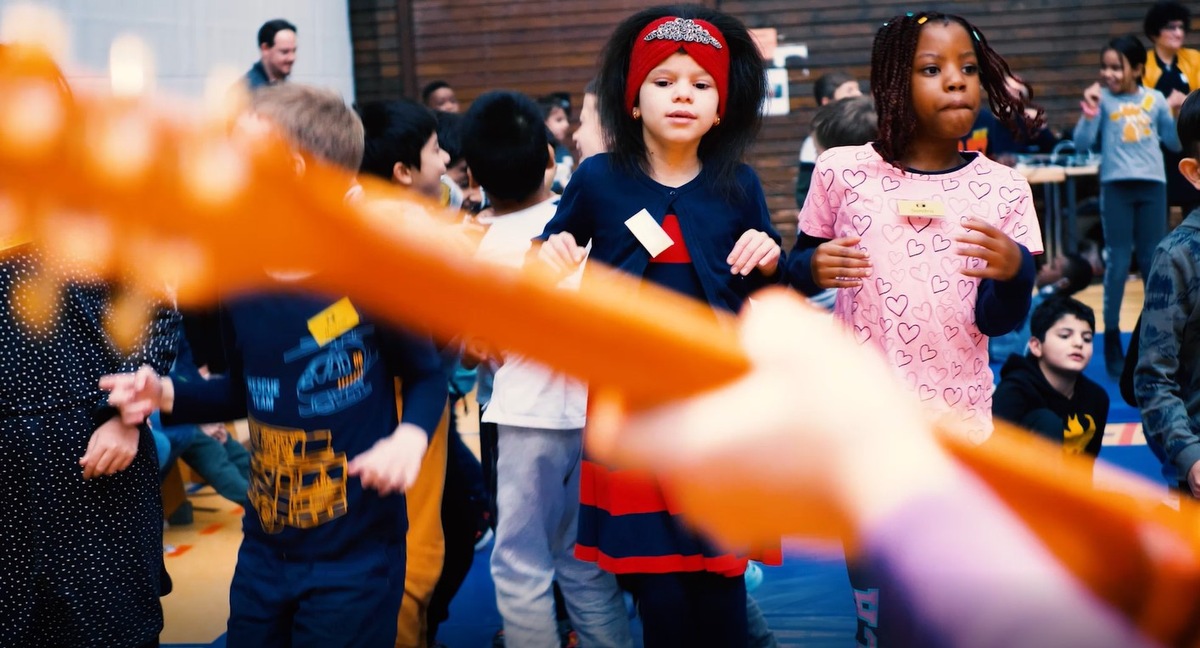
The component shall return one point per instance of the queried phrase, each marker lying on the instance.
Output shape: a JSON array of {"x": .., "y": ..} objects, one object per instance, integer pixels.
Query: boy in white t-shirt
[{"x": 540, "y": 414}]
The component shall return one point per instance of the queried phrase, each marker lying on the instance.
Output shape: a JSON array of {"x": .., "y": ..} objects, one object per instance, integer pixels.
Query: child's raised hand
[
  {"x": 393, "y": 463},
  {"x": 839, "y": 264},
  {"x": 110, "y": 449},
  {"x": 561, "y": 252},
  {"x": 754, "y": 249},
  {"x": 136, "y": 395},
  {"x": 1091, "y": 101},
  {"x": 1000, "y": 254}
]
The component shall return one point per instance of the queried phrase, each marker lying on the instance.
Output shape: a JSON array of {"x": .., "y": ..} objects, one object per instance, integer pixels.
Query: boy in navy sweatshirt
[{"x": 323, "y": 558}]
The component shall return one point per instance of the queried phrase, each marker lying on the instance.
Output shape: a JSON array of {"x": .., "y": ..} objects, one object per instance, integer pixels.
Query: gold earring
[
  {"x": 717, "y": 121},
  {"x": 637, "y": 113}
]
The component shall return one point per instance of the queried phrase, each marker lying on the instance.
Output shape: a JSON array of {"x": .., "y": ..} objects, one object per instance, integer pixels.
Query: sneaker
[
  {"x": 483, "y": 539},
  {"x": 754, "y": 576},
  {"x": 567, "y": 636}
]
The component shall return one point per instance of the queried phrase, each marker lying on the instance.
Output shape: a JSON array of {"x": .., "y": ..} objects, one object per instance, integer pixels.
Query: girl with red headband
[{"x": 679, "y": 92}]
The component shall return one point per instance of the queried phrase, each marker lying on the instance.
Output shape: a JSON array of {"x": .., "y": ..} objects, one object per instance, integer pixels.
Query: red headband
[{"x": 666, "y": 36}]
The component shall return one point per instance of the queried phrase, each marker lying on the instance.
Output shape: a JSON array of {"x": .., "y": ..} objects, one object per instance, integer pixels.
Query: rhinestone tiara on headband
[{"x": 683, "y": 30}]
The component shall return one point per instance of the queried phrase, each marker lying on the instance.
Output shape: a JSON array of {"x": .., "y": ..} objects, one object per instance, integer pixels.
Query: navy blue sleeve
[
  {"x": 1001, "y": 306},
  {"x": 758, "y": 217},
  {"x": 415, "y": 361},
  {"x": 799, "y": 264},
  {"x": 220, "y": 398},
  {"x": 572, "y": 214}
]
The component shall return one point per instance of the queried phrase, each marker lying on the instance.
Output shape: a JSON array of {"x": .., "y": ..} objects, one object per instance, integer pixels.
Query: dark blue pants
[
  {"x": 689, "y": 609},
  {"x": 349, "y": 601}
]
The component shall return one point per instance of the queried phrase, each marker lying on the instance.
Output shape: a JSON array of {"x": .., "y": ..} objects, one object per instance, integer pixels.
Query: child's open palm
[
  {"x": 754, "y": 249},
  {"x": 394, "y": 462},
  {"x": 1000, "y": 254},
  {"x": 839, "y": 264}
]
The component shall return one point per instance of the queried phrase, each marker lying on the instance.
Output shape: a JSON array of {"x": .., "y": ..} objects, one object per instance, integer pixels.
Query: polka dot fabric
[{"x": 81, "y": 560}]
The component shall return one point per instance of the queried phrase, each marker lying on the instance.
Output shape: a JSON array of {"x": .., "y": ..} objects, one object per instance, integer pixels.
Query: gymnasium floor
[{"x": 807, "y": 601}]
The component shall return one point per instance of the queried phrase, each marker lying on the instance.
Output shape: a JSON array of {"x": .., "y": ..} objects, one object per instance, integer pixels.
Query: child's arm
[
  {"x": 1007, "y": 273},
  {"x": 1088, "y": 127},
  {"x": 1171, "y": 296},
  {"x": 393, "y": 463},
  {"x": 820, "y": 258},
  {"x": 758, "y": 247},
  {"x": 220, "y": 398},
  {"x": 565, "y": 236},
  {"x": 157, "y": 348}
]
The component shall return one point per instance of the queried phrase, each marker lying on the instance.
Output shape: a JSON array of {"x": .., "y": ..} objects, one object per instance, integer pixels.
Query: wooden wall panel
[{"x": 541, "y": 46}]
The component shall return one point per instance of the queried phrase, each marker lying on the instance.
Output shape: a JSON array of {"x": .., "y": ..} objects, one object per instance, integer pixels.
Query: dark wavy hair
[
  {"x": 891, "y": 82},
  {"x": 1043, "y": 318},
  {"x": 1162, "y": 13},
  {"x": 395, "y": 131},
  {"x": 1130, "y": 47},
  {"x": 722, "y": 147}
]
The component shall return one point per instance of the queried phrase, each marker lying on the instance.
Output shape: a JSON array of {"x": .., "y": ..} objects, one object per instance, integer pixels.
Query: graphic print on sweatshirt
[
  {"x": 916, "y": 307},
  {"x": 297, "y": 478}
]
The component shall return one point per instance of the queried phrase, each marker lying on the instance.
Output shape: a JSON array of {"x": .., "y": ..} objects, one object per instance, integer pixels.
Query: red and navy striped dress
[{"x": 627, "y": 524}]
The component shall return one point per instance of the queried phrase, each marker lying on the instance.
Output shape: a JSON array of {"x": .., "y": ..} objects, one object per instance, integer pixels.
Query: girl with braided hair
[
  {"x": 679, "y": 91},
  {"x": 930, "y": 248}
]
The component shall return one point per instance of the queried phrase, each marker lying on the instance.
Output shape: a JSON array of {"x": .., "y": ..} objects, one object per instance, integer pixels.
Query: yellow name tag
[
  {"x": 922, "y": 208},
  {"x": 333, "y": 321}
]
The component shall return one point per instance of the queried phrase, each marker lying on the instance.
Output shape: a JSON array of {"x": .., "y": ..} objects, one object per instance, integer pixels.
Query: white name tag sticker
[{"x": 649, "y": 233}]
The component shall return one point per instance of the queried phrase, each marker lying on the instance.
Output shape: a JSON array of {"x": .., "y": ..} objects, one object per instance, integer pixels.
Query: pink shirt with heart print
[{"x": 917, "y": 307}]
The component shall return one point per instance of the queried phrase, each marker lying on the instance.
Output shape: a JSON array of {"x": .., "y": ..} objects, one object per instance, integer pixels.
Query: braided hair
[{"x": 891, "y": 82}]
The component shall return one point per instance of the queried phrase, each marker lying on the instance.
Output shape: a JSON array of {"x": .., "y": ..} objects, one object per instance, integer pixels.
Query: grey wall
[{"x": 190, "y": 38}]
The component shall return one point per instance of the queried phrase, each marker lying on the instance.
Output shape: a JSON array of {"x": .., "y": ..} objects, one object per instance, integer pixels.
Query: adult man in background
[{"x": 277, "y": 47}]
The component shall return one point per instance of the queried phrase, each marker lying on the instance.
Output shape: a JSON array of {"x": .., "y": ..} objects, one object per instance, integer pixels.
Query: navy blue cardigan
[{"x": 601, "y": 197}]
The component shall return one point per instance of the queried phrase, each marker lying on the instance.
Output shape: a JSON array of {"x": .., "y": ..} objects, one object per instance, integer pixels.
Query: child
[
  {"x": 918, "y": 236},
  {"x": 323, "y": 557},
  {"x": 81, "y": 540},
  {"x": 827, "y": 89},
  {"x": 539, "y": 414},
  {"x": 439, "y": 96},
  {"x": 401, "y": 146},
  {"x": 556, "y": 111},
  {"x": 1062, "y": 277},
  {"x": 589, "y": 137},
  {"x": 1045, "y": 391},
  {"x": 1128, "y": 120},
  {"x": 1167, "y": 378},
  {"x": 679, "y": 91},
  {"x": 846, "y": 122}
]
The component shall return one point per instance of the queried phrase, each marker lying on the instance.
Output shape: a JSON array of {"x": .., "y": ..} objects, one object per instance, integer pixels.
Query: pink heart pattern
[{"x": 919, "y": 309}]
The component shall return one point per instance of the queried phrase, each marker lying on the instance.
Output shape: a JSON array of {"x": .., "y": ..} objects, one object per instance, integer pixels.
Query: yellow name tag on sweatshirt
[
  {"x": 922, "y": 208},
  {"x": 333, "y": 321}
]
